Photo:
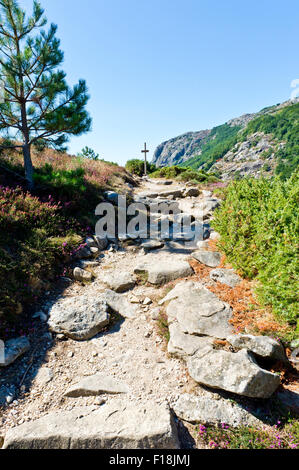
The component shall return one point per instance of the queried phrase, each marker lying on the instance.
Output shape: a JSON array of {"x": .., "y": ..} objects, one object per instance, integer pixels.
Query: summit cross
[{"x": 145, "y": 151}]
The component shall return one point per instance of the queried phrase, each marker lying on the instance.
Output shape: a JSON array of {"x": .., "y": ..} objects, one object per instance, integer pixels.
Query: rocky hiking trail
[{"x": 140, "y": 349}]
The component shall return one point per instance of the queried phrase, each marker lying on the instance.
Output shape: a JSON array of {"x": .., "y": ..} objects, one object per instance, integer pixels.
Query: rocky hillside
[
  {"x": 248, "y": 145},
  {"x": 179, "y": 149}
]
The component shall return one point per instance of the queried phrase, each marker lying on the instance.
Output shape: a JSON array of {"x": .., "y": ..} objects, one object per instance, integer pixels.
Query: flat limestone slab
[
  {"x": 164, "y": 271},
  {"x": 182, "y": 344},
  {"x": 96, "y": 385},
  {"x": 198, "y": 311},
  {"x": 117, "y": 425}
]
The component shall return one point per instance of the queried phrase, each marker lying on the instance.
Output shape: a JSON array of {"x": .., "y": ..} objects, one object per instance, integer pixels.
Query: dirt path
[{"x": 132, "y": 351}]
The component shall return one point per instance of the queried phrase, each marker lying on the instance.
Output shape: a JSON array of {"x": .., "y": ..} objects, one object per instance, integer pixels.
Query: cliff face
[
  {"x": 225, "y": 150},
  {"x": 179, "y": 149}
]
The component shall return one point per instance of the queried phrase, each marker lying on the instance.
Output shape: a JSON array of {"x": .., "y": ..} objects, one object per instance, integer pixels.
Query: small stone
[
  {"x": 209, "y": 258},
  {"x": 82, "y": 275},
  {"x": 225, "y": 276},
  {"x": 147, "y": 301},
  {"x": 70, "y": 354},
  {"x": 96, "y": 385}
]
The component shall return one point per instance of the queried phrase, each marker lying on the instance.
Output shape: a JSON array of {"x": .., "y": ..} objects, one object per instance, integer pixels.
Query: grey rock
[
  {"x": 102, "y": 243},
  {"x": 119, "y": 303},
  {"x": 234, "y": 372},
  {"x": 182, "y": 344},
  {"x": 166, "y": 271},
  {"x": 208, "y": 411},
  {"x": 82, "y": 275},
  {"x": 149, "y": 245},
  {"x": 225, "y": 276},
  {"x": 14, "y": 348},
  {"x": 261, "y": 345},
  {"x": 96, "y": 385},
  {"x": 83, "y": 253},
  {"x": 79, "y": 318},
  {"x": 120, "y": 282},
  {"x": 192, "y": 192},
  {"x": 117, "y": 425},
  {"x": 198, "y": 311},
  {"x": 209, "y": 258}
]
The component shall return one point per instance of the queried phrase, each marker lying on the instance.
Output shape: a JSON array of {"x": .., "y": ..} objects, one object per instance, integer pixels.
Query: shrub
[
  {"x": 184, "y": 174},
  {"x": 35, "y": 242},
  {"x": 258, "y": 223},
  {"x": 136, "y": 167}
]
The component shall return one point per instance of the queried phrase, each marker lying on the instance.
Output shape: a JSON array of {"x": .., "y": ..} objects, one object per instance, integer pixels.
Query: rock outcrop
[{"x": 117, "y": 425}]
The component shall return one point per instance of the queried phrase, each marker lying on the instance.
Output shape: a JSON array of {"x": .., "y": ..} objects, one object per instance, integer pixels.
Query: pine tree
[{"x": 37, "y": 104}]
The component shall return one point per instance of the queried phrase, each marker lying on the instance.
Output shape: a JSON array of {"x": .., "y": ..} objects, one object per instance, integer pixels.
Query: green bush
[
  {"x": 136, "y": 167},
  {"x": 184, "y": 174},
  {"x": 258, "y": 222}
]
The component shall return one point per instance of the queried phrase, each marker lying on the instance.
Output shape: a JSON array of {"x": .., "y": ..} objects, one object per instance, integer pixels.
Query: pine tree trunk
[{"x": 28, "y": 166}]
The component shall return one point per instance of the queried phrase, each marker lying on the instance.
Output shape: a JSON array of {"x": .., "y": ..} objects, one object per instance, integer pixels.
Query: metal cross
[{"x": 145, "y": 151}]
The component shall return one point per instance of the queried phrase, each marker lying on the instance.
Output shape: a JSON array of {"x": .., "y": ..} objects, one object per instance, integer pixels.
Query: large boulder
[
  {"x": 261, "y": 345},
  {"x": 96, "y": 385},
  {"x": 209, "y": 258},
  {"x": 117, "y": 425},
  {"x": 209, "y": 411},
  {"x": 14, "y": 348},
  {"x": 79, "y": 318},
  {"x": 198, "y": 311},
  {"x": 234, "y": 372},
  {"x": 225, "y": 276},
  {"x": 165, "y": 271}
]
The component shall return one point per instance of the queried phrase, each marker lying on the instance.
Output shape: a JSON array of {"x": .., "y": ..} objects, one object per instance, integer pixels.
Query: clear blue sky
[{"x": 158, "y": 68}]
